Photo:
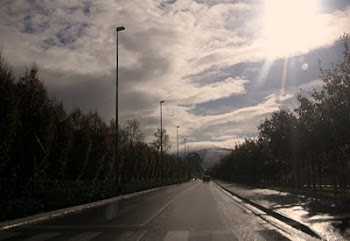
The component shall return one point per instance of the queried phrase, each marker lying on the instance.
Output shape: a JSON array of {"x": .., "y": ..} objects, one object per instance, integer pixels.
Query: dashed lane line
[
  {"x": 7, "y": 235},
  {"x": 177, "y": 236},
  {"x": 168, "y": 203},
  {"x": 135, "y": 226},
  {"x": 42, "y": 237},
  {"x": 84, "y": 236}
]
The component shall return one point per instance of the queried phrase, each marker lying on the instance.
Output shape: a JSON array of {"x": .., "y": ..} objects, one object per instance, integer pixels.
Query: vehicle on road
[{"x": 206, "y": 178}]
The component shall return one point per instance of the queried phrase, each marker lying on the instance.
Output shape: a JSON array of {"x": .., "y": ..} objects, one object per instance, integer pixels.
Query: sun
[{"x": 289, "y": 27}]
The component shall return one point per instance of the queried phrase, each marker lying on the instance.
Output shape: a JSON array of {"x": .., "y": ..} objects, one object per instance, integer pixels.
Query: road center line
[
  {"x": 141, "y": 236},
  {"x": 42, "y": 236},
  {"x": 168, "y": 203},
  {"x": 135, "y": 226},
  {"x": 84, "y": 236},
  {"x": 177, "y": 236},
  {"x": 6, "y": 235}
]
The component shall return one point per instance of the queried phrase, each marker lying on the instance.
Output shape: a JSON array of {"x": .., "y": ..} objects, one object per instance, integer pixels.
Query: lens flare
[{"x": 289, "y": 27}]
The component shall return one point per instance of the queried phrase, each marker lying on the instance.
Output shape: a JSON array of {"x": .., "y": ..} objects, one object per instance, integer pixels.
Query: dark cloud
[
  {"x": 165, "y": 45},
  {"x": 82, "y": 91},
  {"x": 326, "y": 6},
  {"x": 98, "y": 94},
  {"x": 151, "y": 62},
  {"x": 148, "y": 68},
  {"x": 215, "y": 2}
]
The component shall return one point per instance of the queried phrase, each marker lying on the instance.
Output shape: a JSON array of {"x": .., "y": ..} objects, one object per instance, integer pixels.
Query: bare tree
[
  {"x": 165, "y": 140},
  {"x": 133, "y": 132}
]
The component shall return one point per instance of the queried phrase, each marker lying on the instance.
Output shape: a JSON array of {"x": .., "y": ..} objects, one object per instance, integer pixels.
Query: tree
[
  {"x": 165, "y": 140},
  {"x": 133, "y": 132},
  {"x": 9, "y": 121},
  {"x": 98, "y": 147},
  {"x": 81, "y": 145},
  {"x": 279, "y": 132},
  {"x": 61, "y": 142},
  {"x": 333, "y": 102},
  {"x": 195, "y": 164},
  {"x": 36, "y": 122}
]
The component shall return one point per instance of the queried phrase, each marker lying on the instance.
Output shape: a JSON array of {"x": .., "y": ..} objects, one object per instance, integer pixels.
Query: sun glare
[{"x": 289, "y": 26}]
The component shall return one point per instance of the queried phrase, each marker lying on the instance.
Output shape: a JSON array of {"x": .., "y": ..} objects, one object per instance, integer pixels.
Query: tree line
[
  {"x": 50, "y": 155},
  {"x": 308, "y": 146}
]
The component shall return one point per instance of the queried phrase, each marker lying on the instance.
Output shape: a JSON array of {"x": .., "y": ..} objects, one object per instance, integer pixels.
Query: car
[{"x": 206, "y": 178}]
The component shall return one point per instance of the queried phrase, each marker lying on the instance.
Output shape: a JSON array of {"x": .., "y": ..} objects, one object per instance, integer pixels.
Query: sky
[{"x": 221, "y": 66}]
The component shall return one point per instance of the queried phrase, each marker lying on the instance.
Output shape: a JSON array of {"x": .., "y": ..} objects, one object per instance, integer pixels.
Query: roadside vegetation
[
  {"x": 304, "y": 149},
  {"x": 51, "y": 159}
]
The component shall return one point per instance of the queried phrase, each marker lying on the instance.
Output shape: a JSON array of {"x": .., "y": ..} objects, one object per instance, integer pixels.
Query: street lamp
[
  {"x": 118, "y": 29},
  {"x": 161, "y": 141},
  {"x": 177, "y": 140}
]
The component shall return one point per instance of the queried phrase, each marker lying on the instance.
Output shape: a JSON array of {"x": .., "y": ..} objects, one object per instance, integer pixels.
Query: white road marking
[
  {"x": 42, "y": 237},
  {"x": 168, "y": 203},
  {"x": 223, "y": 236},
  {"x": 177, "y": 236},
  {"x": 84, "y": 236},
  {"x": 131, "y": 235},
  {"x": 6, "y": 235},
  {"x": 141, "y": 236},
  {"x": 83, "y": 226},
  {"x": 123, "y": 236}
]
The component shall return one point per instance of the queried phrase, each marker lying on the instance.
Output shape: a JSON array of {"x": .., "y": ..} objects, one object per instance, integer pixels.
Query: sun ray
[
  {"x": 264, "y": 72},
  {"x": 284, "y": 77}
]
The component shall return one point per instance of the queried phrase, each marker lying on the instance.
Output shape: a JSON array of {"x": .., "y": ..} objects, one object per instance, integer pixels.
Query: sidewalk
[{"x": 306, "y": 214}]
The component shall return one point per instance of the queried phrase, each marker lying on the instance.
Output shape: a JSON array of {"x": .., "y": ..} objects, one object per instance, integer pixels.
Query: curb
[
  {"x": 70, "y": 210},
  {"x": 287, "y": 220}
]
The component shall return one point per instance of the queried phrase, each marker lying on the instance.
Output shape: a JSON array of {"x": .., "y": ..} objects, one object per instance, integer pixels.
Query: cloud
[
  {"x": 202, "y": 57},
  {"x": 230, "y": 127},
  {"x": 271, "y": 103},
  {"x": 317, "y": 83},
  {"x": 214, "y": 91}
]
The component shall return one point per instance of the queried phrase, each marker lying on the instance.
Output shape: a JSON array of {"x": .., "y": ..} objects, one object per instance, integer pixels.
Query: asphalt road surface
[{"x": 189, "y": 211}]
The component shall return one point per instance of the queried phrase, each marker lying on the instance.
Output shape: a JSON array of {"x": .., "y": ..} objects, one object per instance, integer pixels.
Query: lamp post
[
  {"x": 118, "y": 29},
  {"x": 188, "y": 163},
  {"x": 177, "y": 140},
  {"x": 161, "y": 141},
  {"x": 188, "y": 159}
]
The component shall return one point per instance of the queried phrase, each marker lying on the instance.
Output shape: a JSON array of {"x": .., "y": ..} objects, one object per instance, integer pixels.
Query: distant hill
[{"x": 212, "y": 155}]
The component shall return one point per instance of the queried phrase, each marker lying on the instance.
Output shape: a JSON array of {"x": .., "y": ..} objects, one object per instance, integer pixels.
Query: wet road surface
[{"x": 189, "y": 211}]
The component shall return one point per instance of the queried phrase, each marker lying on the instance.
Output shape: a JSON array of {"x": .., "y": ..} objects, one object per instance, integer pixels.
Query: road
[{"x": 189, "y": 211}]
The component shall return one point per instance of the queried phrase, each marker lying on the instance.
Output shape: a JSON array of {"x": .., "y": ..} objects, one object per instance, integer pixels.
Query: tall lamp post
[
  {"x": 177, "y": 140},
  {"x": 161, "y": 141},
  {"x": 118, "y": 29},
  {"x": 188, "y": 164},
  {"x": 188, "y": 161}
]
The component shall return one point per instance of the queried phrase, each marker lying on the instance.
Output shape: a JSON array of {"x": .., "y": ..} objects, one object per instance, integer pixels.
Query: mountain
[{"x": 212, "y": 155}]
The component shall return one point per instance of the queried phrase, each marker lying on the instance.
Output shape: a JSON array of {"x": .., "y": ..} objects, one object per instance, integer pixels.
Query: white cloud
[
  {"x": 162, "y": 49},
  {"x": 198, "y": 94},
  {"x": 314, "y": 84},
  {"x": 272, "y": 103}
]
